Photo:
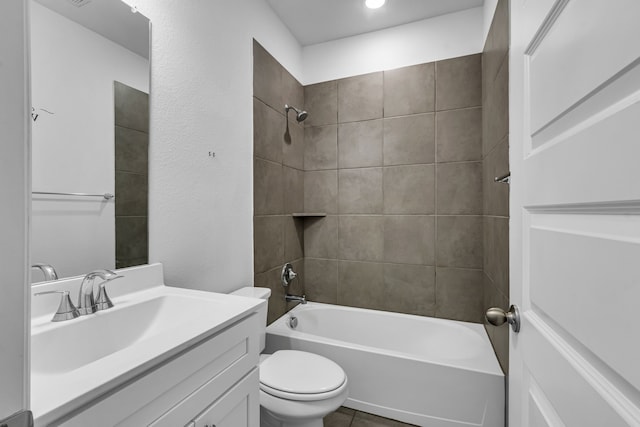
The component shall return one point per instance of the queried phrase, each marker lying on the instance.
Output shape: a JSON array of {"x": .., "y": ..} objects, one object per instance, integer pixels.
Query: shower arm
[
  {"x": 288, "y": 107},
  {"x": 301, "y": 115}
]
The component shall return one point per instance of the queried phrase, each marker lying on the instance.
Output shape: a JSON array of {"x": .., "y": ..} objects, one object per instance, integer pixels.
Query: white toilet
[{"x": 297, "y": 388}]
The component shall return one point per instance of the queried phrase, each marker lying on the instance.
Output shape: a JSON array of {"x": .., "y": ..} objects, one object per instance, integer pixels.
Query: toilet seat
[
  {"x": 301, "y": 376},
  {"x": 307, "y": 397}
]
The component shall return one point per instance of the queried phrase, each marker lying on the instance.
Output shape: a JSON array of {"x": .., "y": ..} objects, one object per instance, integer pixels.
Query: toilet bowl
[{"x": 297, "y": 388}]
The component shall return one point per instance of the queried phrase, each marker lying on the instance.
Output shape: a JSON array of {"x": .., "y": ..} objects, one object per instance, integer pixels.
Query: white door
[
  {"x": 575, "y": 209},
  {"x": 14, "y": 207}
]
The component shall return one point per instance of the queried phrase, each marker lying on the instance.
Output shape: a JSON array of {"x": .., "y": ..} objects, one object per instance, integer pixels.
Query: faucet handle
[
  {"x": 103, "y": 301},
  {"x": 287, "y": 274},
  {"x": 66, "y": 309}
]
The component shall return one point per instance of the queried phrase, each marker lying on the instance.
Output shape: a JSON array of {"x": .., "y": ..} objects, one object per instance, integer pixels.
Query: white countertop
[{"x": 162, "y": 320}]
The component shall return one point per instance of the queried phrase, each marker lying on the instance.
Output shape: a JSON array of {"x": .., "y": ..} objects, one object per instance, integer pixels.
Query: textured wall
[
  {"x": 495, "y": 154},
  {"x": 394, "y": 159},
  {"x": 427, "y": 40},
  {"x": 277, "y": 179},
  {"x": 488, "y": 10},
  {"x": 200, "y": 207}
]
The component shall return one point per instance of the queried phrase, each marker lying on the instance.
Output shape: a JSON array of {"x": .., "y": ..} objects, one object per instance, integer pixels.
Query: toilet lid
[{"x": 299, "y": 372}]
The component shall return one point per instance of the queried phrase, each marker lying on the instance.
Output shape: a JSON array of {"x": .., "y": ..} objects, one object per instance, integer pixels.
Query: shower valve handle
[{"x": 287, "y": 274}]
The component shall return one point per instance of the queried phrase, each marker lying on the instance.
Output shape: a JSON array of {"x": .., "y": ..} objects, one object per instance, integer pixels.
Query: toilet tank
[{"x": 261, "y": 293}]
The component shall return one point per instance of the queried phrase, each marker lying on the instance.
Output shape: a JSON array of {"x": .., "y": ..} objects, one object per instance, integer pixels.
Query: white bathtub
[{"x": 419, "y": 370}]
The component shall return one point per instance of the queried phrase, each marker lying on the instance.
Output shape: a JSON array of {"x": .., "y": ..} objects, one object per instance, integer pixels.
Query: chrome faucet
[
  {"x": 289, "y": 298},
  {"x": 87, "y": 304},
  {"x": 287, "y": 277},
  {"x": 48, "y": 271},
  {"x": 66, "y": 309}
]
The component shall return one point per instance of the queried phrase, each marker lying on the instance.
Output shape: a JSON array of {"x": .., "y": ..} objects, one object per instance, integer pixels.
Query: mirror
[{"x": 89, "y": 71}]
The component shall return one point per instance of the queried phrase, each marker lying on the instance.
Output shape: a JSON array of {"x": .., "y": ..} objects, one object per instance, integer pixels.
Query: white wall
[
  {"x": 14, "y": 206},
  {"x": 488, "y": 10},
  {"x": 442, "y": 37},
  {"x": 201, "y": 208},
  {"x": 73, "y": 70}
]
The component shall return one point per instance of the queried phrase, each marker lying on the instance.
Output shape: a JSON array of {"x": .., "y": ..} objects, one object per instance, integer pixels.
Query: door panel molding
[
  {"x": 592, "y": 166},
  {"x": 541, "y": 411},
  {"x": 575, "y": 212},
  {"x": 581, "y": 395},
  {"x": 626, "y": 207},
  {"x": 545, "y": 26},
  {"x": 575, "y": 54},
  {"x": 606, "y": 100}
]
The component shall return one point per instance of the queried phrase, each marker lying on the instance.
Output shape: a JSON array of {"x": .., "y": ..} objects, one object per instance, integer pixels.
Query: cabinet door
[
  {"x": 239, "y": 407},
  {"x": 181, "y": 388}
]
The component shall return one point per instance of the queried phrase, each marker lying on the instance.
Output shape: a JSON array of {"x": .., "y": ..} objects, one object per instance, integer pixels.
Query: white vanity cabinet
[
  {"x": 212, "y": 383},
  {"x": 238, "y": 407}
]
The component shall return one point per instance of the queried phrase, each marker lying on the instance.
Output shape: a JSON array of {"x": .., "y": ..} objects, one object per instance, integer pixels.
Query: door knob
[{"x": 497, "y": 316}]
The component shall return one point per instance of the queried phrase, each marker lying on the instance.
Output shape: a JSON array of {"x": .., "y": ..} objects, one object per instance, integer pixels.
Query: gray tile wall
[
  {"x": 131, "y": 175},
  {"x": 395, "y": 160},
  {"x": 403, "y": 164},
  {"x": 278, "y": 178},
  {"x": 495, "y": 155}
]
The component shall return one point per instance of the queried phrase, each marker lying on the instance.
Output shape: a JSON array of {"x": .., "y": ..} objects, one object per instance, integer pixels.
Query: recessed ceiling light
[{"x": 374, "y": 4}]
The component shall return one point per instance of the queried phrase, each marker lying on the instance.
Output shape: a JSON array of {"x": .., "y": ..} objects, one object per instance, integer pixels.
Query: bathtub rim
[{"x": 281, "y": 328}]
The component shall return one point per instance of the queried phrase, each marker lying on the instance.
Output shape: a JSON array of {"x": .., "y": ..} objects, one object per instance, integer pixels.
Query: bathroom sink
[
  {"x": 73, "y": 344},
  {"x": 76, "y": 361}
]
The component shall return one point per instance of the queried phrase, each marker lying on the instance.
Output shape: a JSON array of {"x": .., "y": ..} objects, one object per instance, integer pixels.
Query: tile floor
[{"x": 345, "y": 417}]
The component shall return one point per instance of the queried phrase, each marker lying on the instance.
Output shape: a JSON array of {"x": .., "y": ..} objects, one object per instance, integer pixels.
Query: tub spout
[{"x": 289, "y": 298}]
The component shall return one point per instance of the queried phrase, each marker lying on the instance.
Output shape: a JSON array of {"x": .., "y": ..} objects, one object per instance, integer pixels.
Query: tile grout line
[
  {"x": 384, "y": 118},
  {"x": 384, "y": 220},
  {"x": 435, "y": 163},
  {"x": 383, "y": 166},
  {"x": 501, "y": 140},
  {"x": 450, "y": 267},
  {"x": 304, "y": 158},
  {"x": 338, "y": 193},
  {"x": 435, "y": 191},
  {"x": 284, "y": 233}
]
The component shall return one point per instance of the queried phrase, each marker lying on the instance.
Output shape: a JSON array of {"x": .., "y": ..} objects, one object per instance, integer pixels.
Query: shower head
[{"x": 301, "y": 115}]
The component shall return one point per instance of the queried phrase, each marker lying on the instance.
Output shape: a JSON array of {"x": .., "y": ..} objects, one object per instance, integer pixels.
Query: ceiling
[
  {"x": 317, "y": 21},
  {"x": 111, "y": 19}
]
